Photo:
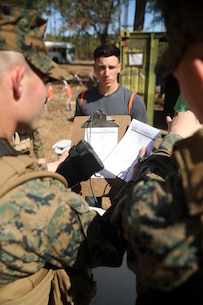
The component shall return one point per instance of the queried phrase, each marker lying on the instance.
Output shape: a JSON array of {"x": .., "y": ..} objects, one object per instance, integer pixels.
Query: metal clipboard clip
[{"x": 100, "y": 119}]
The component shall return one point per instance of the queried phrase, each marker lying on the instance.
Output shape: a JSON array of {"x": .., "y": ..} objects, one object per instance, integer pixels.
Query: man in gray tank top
[{"x": 108, "y": 95}]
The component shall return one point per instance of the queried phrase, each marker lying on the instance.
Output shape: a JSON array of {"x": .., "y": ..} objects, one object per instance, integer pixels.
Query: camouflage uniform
[
  {"x": 160, "y": 220},
  {"x": 30, "y": 143},
  {"x": 43, "y": 224},
  {"x": 160, "y": 214},
  {"x": 23, "y": 31},
  {"x": 50, "y": 227}
]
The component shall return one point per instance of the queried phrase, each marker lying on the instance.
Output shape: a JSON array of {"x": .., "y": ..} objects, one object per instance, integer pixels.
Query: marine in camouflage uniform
[
  {"x": 30, "y": 143},
  {"x": 44, "y": 225},
  {"x": 160, "y": 214}
]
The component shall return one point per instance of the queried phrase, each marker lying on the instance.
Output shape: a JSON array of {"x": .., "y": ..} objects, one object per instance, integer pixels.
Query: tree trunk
[{"x": 139, "y": 15}]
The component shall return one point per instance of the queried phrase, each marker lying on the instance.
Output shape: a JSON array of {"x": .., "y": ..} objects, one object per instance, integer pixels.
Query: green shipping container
[{"x": 139, "y": 54}]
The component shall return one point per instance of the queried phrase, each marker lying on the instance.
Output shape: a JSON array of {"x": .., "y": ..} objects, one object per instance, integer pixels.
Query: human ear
[{"x": 17, "y": 77}]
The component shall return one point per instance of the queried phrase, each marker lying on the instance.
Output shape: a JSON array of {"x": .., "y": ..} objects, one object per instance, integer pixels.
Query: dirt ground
[{"x": 56, "y": 121}]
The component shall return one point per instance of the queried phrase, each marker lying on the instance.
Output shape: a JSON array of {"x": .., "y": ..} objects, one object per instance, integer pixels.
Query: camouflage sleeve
[
  {"x": 188, "y": 155},
  {"x": 52, "y": 226},
  {"x": 166, "y": 146},
  {"x": 42, "y": 166},
  {"x": 37, "y": 145},
  {"x": 154, "y": 222},
  {"x": 159, "y": 164}
]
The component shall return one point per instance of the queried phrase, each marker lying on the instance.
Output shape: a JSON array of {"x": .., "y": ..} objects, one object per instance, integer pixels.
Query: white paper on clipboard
[
  {"x": 121, "y": 159},
  {"x": 102, "y": 139}
]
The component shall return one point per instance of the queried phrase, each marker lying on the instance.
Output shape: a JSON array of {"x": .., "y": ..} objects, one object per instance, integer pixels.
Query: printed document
[
  {"x": 122, "y": 158},
  {"x": 102, "y": 139}
]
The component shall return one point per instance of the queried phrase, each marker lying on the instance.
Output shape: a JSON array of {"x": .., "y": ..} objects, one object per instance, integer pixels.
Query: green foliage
[
  {"x": 81, "y": 17},
  {"x": 31, "y": 4},
  {"x": 90, "y": 22},
  {"x": 87, "y": 17}
]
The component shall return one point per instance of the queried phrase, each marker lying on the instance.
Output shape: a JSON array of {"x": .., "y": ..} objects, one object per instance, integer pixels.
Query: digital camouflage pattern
[
  {"x": 22, "y": 142},
  {"x": 184, "y": 26},
  {"x": 28, "y": 142},
  {"x": 160, "y": 215},
  {"x": 43, "y": 227},
  {"x": 22, "y": 30},
  {"x": 38, "y": 145},
  {"x": 43, "y": 222}
]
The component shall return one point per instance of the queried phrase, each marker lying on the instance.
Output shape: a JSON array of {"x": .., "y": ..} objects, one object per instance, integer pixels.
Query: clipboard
[
  {"x": 100, "y": 119},
  {"x": 104, "y": 189}
]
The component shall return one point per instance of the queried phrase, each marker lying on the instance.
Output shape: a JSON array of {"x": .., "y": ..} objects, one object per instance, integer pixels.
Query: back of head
[
  {"x": 22, "y": 31},
  {"x": 184, "y": 26},
  {"x": 106, "y": 50}
]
